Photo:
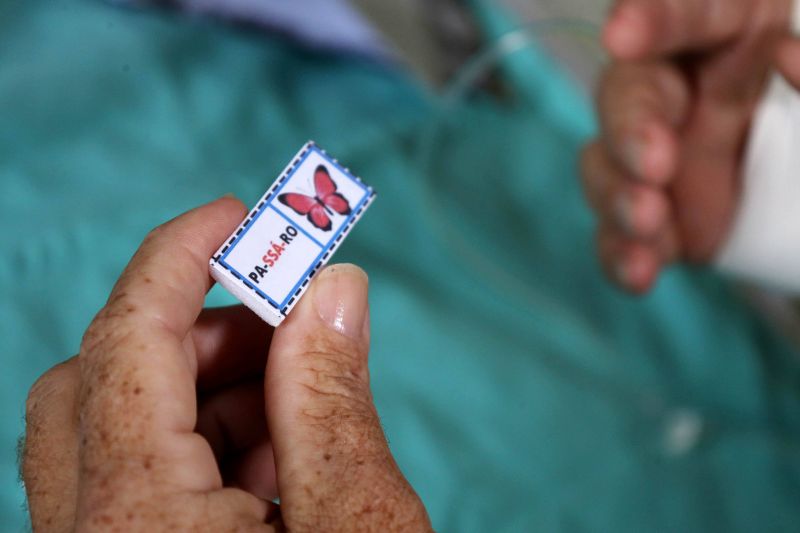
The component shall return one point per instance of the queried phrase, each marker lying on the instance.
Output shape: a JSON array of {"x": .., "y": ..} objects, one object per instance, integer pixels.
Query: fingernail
[{"x": 340, "y": 297}]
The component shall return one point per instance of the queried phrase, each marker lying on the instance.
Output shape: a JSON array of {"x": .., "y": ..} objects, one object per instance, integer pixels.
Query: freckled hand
[{"x": 118, "y": 439}]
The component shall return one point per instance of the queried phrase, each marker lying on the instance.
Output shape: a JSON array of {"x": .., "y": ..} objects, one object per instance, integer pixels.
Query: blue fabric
[
  {"x": 518, "y": 390},
  {"x": 321, "y": 24}
]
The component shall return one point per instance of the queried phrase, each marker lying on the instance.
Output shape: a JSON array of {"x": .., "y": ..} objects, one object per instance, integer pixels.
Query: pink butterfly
[{"x": 318, "y": 208}]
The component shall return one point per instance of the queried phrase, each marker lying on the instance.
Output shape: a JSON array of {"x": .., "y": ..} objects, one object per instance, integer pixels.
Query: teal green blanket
[{"x": 518, "y": 390}]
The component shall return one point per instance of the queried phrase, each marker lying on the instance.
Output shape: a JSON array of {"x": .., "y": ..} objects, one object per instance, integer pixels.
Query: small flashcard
[{"x": 269, "y": 261}]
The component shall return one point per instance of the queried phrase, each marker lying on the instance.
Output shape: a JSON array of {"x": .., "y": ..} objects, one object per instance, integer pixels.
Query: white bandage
[{"x": 764, "y": 245}]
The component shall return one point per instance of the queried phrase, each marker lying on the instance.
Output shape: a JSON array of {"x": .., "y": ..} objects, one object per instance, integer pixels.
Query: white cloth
[{"x": 764, "y": 245}]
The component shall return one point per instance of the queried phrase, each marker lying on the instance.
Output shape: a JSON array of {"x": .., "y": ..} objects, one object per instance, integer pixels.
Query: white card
[{"x": 269, "y": 261}]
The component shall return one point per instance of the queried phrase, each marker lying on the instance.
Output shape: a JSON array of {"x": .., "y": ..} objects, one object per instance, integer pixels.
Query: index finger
[
  {"x": 167, "y": 279},
  {"x": 138, "y": 400},
  {"x": 637, "y": 29}
]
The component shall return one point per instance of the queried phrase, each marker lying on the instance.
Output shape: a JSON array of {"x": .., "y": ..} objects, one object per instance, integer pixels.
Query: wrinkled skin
[{"x": 174, "y": 418}]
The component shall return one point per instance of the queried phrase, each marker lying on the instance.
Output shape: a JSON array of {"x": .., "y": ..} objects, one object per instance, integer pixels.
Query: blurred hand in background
[{"x": 675, "y": 107}]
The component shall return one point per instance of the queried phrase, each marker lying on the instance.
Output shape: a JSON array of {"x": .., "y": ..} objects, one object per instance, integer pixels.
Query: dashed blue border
[{"x": 355, "y": 212}]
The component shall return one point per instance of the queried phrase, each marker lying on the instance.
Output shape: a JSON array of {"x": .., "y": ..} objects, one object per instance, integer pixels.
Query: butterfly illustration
[{"x": 320, "y": 207}]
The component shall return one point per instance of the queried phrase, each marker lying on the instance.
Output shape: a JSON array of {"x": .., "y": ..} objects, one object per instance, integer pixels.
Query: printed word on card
[{"x": 269, "y": 261}]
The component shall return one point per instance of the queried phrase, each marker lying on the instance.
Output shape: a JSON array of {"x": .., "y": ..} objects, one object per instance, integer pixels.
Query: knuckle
[
  {"x": 629, "y": 89},
  {"x": 108, "y": 327},
  {"x": 337, "y": 355},
  {"x": 615, "y": 84},
  {"x": 49, "y": 386},
  {"x": 155, "y": 233},
  {"x": 671, "y": 89},
  {"x": 335, "y": 376},
  {"x": 331, "y": 375}
]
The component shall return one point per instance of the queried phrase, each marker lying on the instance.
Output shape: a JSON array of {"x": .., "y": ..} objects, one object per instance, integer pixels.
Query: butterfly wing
[
  {"x": 323, "y": 183},
  {"x": 319, "y": 217},
  {"x": 306, "y": 205},
  {"x": 338, "y": 203},
  {"x": 299, "y": 203},
  {"x": 326, "y": 191}
]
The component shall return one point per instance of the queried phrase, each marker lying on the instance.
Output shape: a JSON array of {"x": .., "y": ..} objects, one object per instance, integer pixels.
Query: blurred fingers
[
  {"x": 634, "y": 209},
  {"x": 640, "y": 106},
  {"x": 634, "y": 264},
  {"x": 644, "y": 28}
]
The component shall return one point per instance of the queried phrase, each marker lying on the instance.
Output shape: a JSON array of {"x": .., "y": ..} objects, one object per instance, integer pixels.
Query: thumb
[
  {"x": 335, "y": 470},
  {"x": 788, "y": 61}
]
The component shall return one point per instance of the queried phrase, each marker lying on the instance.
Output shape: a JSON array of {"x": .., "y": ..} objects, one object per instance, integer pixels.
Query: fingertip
[
  {"x": 653, "y": 213},
  {"x": 215, "y": 220},
  {"x": 637, "y": 268},
  {"x": 660, "y": 153},
  {"x": 626, "y": 34},
  {"x": 651, "y": 153},
  {"x": 347, "y": 269},
  {"x": 642, "y": 212},
  {"x": 230, "y": 205},
  {"x": 630, "y": 264},
  {"x": 215, "y": 217}
]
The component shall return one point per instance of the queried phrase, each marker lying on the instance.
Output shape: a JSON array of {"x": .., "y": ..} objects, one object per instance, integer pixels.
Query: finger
[
  {"x": 138, "y": 400},
  {"x": 633, "y": 264},
  {"x": 234, "y": 423},
  {"x": 50, "y": 453},
  {"x": 254, "y": 471},
  {"x": 635, "y": 209},
  {"x": 233, "y": 420},
  {"x": 707, "y": 193},
  {"x": 640, "y": 107},
  {"x": 231, "y": 344},
  {"x": 645, "y": 28},
  {"x": 788, "y": 61},
  {"x": 335, "y": 470},
  {"x": 165, "y": 283},
  {"x": 595, "y": 174}
]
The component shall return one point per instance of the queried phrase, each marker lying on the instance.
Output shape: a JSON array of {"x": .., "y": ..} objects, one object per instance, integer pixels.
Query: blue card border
[{"x": 325, "y": 251}]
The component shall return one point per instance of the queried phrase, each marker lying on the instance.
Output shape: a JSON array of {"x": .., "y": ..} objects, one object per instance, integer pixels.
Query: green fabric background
[{"x": 519, "y": 391}]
